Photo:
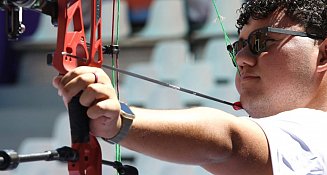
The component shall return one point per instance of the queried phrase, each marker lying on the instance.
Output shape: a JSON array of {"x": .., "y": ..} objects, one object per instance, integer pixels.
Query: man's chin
[{"x": 257, "y": 108}]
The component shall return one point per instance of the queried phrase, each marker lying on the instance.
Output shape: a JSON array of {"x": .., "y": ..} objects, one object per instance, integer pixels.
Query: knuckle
[
  {"x": 79, "y": 70},
  {"x": 84, "y": 101},
  {"x": 81, "y": 79},
  {"x": 90, "y": 112},
  {"x": 92, "y": 88},
  {"x": 116, "y": 107},
  {"x": 67, "y": 92},
  {"x": 100, "y": 108},
  {"x": 74, "y": 73},
  {"x": 95, "y": 111},
  {"x": 111, "y": 92}
]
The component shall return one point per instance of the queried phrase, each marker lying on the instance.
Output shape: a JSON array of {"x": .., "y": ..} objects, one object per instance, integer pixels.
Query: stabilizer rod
[{"x": 9, "y": 159}]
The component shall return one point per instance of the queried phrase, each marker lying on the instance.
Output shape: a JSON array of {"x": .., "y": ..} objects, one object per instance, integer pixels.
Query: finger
[
  {"x": 76, "y": 85},
  {"x": 109, "y": 108},
  {"x": 56, "y": 81},
  {"x": 84, "y": 70},
  {"x": 101, "y": 77},
  {"x": 76, "y": 72},
  {"x": 66, "y": 101},
  {"x": 96, "y": 92}
]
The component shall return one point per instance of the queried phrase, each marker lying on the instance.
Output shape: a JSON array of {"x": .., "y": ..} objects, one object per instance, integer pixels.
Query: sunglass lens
[{"x": 257, "y": 41}]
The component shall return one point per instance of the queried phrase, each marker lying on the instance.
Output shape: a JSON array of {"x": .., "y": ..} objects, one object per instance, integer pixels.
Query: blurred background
[{"x": 175, "y": 41}]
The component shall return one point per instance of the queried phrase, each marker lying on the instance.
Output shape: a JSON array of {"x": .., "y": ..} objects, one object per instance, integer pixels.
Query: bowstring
[
  {"x": 114, "y": 61},
  {"x": 118, "y": 148},
  {"x": 227, "y": 39}
]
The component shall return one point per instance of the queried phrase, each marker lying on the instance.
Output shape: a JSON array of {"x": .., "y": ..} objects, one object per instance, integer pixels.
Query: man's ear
[{"x": 322, "y": 62}]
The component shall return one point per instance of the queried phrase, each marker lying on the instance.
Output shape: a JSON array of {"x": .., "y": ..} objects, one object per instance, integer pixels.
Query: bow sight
[{"x": 14, "y": 13}]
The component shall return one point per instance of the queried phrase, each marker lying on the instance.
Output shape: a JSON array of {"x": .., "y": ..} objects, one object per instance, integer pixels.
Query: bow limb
[{"x": 74, "y": 43}]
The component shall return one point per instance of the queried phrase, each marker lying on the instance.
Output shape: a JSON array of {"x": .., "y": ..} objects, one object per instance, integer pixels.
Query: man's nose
[{"x": 246, "y": 58}]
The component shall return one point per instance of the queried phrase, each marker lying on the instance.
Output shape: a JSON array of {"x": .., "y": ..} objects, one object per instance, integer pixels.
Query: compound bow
[{"x": 84, "y": 156}]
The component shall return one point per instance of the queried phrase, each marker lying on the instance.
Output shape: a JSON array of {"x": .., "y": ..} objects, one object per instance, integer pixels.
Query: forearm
[{"x": 192, "y": 136}]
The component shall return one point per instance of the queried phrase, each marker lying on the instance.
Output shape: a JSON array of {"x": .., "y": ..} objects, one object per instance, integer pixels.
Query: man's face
[{"x": 281, "y": 78}]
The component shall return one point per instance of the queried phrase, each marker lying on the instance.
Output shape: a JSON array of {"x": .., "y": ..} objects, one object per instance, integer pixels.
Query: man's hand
[{"x": 97, "y": 94}]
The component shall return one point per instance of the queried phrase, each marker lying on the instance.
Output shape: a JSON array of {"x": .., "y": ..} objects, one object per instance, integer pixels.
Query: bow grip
[
  {"x": 79, "y": 121},
  {"x": 87, "y": 146}
]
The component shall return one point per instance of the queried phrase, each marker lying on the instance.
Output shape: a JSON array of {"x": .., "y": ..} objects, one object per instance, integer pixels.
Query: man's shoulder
[
  {"x": 296, "y": 140},
  {"x": 297, "y": 115}
]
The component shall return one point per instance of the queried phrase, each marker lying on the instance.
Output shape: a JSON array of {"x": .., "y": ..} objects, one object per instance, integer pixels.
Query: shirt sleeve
[{"x": 295, "y": 144}]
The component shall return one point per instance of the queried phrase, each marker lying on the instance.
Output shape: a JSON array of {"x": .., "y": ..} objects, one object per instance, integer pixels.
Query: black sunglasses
[{"x": 257, "y": 40}]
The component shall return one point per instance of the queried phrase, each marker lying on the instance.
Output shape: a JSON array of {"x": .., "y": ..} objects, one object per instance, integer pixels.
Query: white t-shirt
[{"x": 297, "y": 141}]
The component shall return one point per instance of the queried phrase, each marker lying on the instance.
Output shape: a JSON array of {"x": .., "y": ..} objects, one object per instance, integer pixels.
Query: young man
[{"x": 282, "y": 61}]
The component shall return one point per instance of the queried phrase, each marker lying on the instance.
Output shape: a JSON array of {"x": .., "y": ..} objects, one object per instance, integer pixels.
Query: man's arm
[{"x": 217, "y": 141}]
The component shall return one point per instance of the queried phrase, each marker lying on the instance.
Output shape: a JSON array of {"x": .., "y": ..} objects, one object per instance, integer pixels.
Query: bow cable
[{"x": 114, "y": 58}]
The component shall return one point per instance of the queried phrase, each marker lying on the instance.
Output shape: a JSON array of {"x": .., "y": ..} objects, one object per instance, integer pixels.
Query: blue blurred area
[{"x": 9, "y": 59}]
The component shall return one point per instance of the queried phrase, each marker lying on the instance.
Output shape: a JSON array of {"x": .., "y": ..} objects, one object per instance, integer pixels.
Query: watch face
[{"x": 125, "y": 108}]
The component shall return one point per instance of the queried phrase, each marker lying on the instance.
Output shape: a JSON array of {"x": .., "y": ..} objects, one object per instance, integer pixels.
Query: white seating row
[{"x": 167, "y": 20}]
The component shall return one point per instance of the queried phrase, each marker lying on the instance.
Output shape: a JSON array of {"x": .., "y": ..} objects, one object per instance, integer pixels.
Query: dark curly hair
[{"x": 311, "y": 14}]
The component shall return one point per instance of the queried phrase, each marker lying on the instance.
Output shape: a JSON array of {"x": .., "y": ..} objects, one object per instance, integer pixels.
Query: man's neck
[{"x": 319, "y": 101}]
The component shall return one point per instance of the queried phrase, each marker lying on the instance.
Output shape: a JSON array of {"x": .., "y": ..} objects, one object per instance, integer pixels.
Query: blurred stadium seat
[
  {"x": 167, "y": 20},
  {"x": 135, "y": 91},
  {"x": 196, "y": 77},
  {"x": 216, "y": 55},
  {"x": 229, "y": 15},
  {"x": 168, "y": 57},
  {"x": 124, "y": 23},
  {"x": 38, "y": 145},
  {"x": 164, "y": 98},
  {"x": 45, "y": 33},
  {"x": 226, "y": 92}
]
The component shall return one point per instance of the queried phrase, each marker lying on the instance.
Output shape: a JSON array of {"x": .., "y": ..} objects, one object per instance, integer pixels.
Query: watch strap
[
  {"x": 126, "y": 123},
  {"x": 123, "y": 131}
]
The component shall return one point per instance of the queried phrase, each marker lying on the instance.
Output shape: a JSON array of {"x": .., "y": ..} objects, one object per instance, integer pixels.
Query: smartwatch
[{"x": 127, "y": 117}]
